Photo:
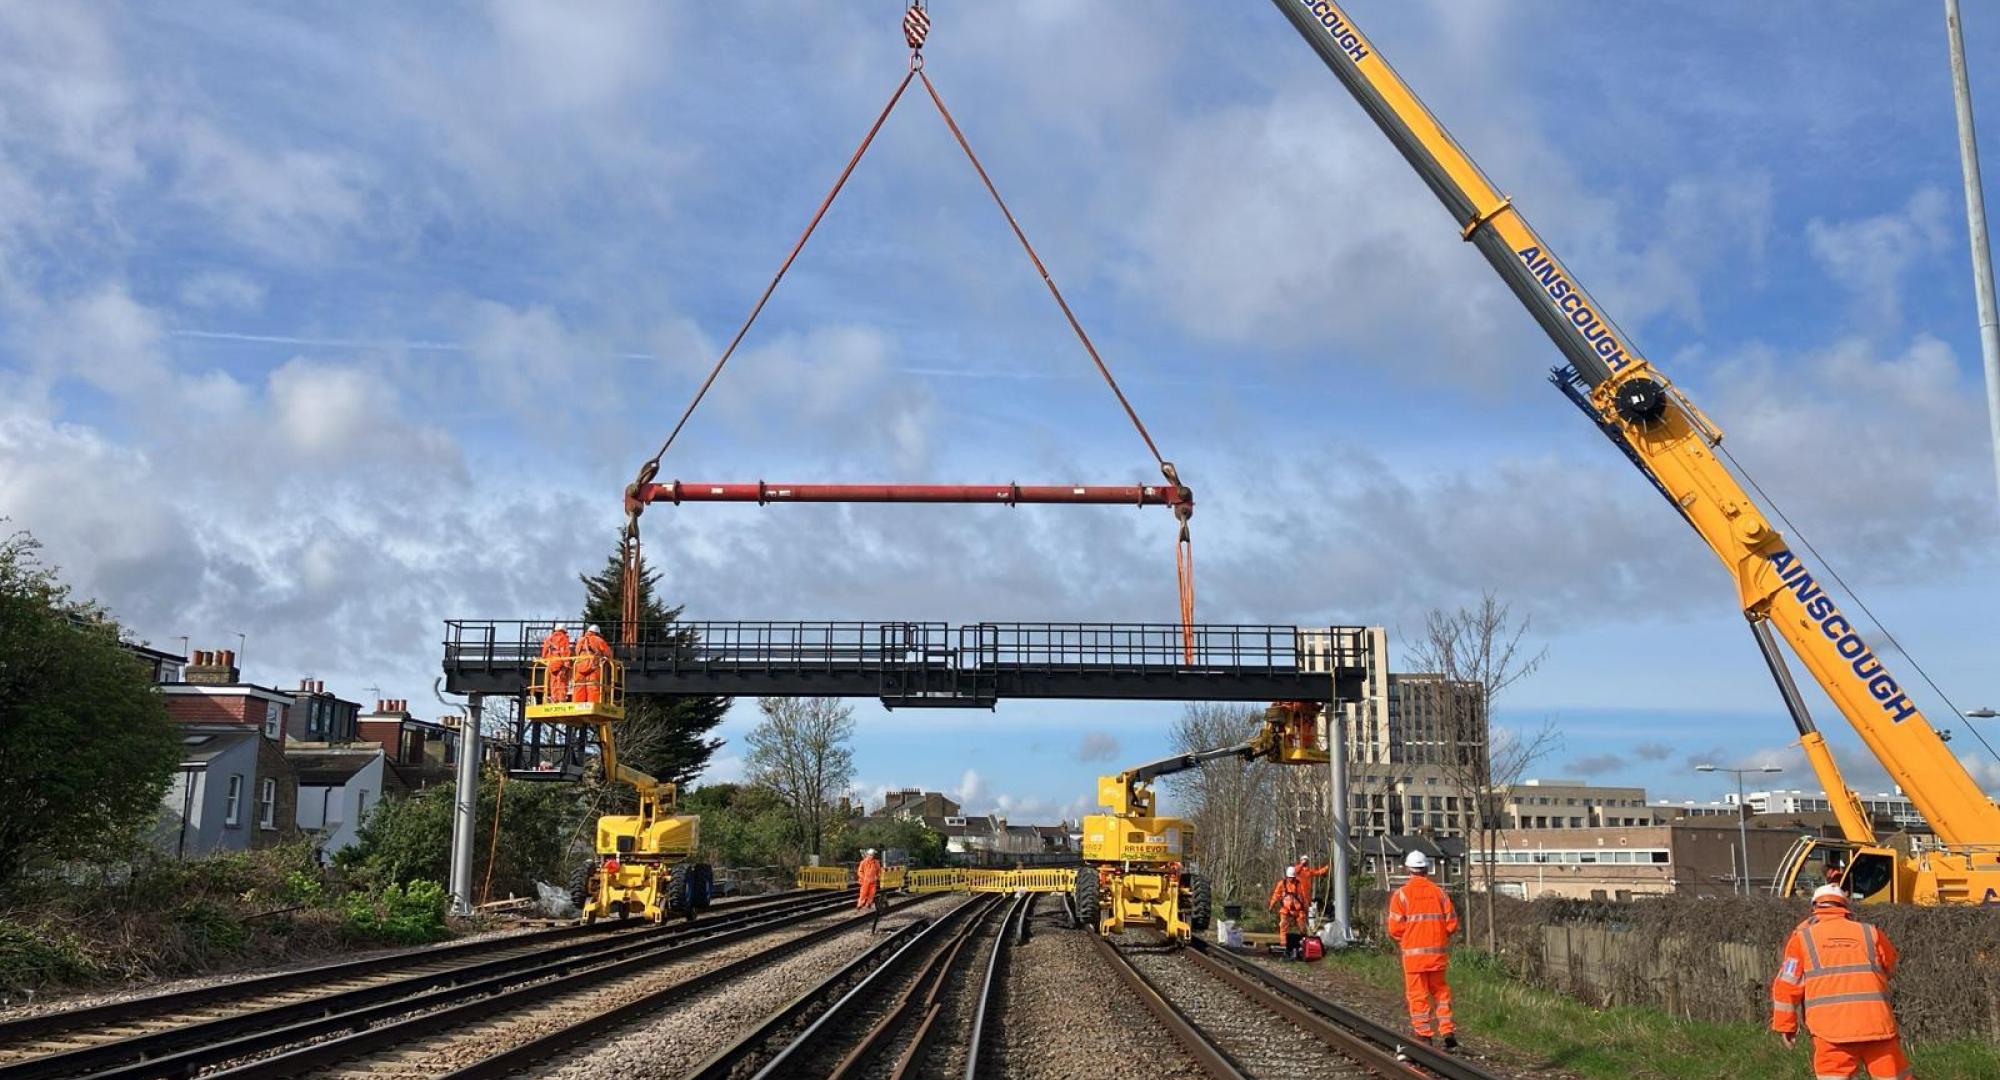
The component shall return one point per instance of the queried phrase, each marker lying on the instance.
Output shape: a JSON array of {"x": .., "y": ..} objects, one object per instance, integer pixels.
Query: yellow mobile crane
[
  {"x": 644, "y": 863},
  {"x": 1676, "y": 447},
  {"x": 1135, "y": 863}
]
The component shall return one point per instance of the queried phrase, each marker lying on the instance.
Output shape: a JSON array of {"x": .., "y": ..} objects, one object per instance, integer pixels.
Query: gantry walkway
[{"x": 935, "y": 664}]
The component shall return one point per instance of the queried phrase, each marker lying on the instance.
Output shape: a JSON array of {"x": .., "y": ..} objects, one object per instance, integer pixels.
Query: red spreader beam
[{"x": 763, "y": 492}]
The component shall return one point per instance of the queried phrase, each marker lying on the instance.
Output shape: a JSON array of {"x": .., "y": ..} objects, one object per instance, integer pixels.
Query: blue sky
[{"x": 327, "y": 324}]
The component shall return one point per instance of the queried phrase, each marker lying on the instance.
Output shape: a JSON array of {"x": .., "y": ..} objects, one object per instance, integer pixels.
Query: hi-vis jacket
[
  {"x": 1422, "y": 920},
  {"x": 1836, "y": 972}
]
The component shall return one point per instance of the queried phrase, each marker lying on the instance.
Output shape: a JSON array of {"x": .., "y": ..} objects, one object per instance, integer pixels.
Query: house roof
[
  {"x": 329, "y": 768},
  {"x": 200, "y": 746},
  {"x": 249, "y": 690}
]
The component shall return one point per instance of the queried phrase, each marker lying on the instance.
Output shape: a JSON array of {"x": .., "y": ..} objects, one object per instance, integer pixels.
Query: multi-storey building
[
  {"x": 1573, "y": 804},
  {"x": 1887, "y": 808}
]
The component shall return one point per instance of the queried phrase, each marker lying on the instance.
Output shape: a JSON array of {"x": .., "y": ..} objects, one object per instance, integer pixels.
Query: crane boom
[{"x": 1669, "y": 439}]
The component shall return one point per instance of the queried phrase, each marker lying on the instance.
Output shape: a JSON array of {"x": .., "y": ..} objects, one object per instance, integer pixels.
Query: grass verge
[{"x": 1628, "y": 1042}]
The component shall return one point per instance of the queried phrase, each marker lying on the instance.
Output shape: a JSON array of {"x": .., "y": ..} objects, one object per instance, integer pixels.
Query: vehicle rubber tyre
[
  {"x": 1085, "y": 895},
  {"x": 1201, "y": 902},
  {"x": 677, "y": 890},
  {"x": 579, "y": 884},
  {"x": 701, "y": 886}
]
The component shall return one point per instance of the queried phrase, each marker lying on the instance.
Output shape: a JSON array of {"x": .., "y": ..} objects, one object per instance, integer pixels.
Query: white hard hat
[
  {"x": 1305, "y": 858},
  {"x": 1417, "y": 860},
  {"x": 1829, "y": 894},
  {"x": 593, "y": 628},
  {"x": 870, "y": 851},
  {"x": 1291, "y": 871}
]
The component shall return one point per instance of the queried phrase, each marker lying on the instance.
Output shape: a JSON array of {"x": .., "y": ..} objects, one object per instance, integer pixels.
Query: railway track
[
  {"x": 921, "y": 1003},
  {"x": 336, "y": 1007},
  {"x": 1199, "y": 993}
]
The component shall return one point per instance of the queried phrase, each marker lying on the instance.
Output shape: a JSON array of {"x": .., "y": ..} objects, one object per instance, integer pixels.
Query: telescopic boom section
[
  {"x": 1010, "y": 494},
  {"x": 1668, "y": 438}
]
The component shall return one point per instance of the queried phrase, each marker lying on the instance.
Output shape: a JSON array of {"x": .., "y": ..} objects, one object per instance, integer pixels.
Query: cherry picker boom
[{"x": 1676, "y": 447}]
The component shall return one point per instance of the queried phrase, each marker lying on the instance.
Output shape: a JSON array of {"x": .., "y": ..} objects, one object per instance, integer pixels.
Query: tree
[
  {"x": 1232, "y": 802},
  {"x": 664, "y": 735},
  {"x": 924, "y": 846},
  {"x": 799, "y": 751},
  {"x": 409, "y": 839},
  {"x": 86, "y": 747},
  {"x": 742, "y": 825},
  {"x": 1475, "y": 654}
]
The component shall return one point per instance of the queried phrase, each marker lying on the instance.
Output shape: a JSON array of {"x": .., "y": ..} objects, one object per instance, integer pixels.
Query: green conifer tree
[{"x": 665, "y": 735}]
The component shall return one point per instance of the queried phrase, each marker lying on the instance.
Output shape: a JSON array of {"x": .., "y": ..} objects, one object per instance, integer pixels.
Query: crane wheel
[
  {"x": 701, "y": 886},
  {"x": 579, "y": 884},
  {"x": 1084, "y": 893},
  {"x": 1201, "y": 903}
]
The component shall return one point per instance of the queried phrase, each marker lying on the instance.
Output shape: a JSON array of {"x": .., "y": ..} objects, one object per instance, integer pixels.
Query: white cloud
[{"x": 1872, "y": 255}]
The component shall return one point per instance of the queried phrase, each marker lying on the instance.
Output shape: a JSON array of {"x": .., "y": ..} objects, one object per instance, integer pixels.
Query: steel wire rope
[
  {"x": 916, "y": 26},
  {"x": 1184, "y": 547},
  {"x": 1859, "y": 602}
]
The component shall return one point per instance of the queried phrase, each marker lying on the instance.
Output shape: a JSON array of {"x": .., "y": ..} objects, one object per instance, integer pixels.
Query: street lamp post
[{"x": 1742, "y": 820}]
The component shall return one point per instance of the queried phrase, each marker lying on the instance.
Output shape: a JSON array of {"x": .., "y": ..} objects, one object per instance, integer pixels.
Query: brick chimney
[{"x": 213, "y": 668}]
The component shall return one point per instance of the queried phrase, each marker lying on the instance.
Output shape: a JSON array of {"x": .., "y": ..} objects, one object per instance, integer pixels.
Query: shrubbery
[
  {"x": 408, "y": 915},
  {"x": 409, "y": 839},
  {"x": 156, "y": 918}
]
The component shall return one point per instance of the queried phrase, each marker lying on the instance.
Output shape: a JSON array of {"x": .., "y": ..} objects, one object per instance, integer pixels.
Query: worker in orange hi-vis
[
  {"x": 555, "y": 657},
  {"x": 1422, "y": 921},
  {"x": 1307, "y": 872},
  {"x": 591, "y": 652},
  {"x": 869, "y": 876},
  {"x": 1836, "y": 973},
  {"x": 1288, "y": 899}
]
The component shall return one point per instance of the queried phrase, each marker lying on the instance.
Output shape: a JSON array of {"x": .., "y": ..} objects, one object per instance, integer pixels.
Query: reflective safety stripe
[
  {"x": 1790, "y": 980},
  {"x": 1842, "y": 969},
  {"x": 1784, "y": 1006},
  {"x": 1439, "y": 917},
  {"x": 1837, "y": 999},
  {"x": 1812, "y": 950},
  {"x": 1426, "y": 949},
  {"x": 1868, "y": 942}
]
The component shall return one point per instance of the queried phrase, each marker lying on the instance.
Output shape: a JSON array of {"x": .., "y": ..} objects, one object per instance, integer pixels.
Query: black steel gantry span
[{"x": 938, "y": 665}]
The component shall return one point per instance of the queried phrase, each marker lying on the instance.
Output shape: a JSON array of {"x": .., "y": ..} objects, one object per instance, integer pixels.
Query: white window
[
  {"x": 233, "y": 809},
  {"x": 267, "y": 804},
  {"x": 274, "y": 720}
]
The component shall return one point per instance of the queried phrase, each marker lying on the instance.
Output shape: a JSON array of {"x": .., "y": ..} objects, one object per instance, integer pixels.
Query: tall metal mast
[{"x": 1975, "y": 219}]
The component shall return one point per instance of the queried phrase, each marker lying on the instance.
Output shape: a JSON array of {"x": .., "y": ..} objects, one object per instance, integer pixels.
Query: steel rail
[
  {"x": 781, "y": 1065},
  {"x": 1212, "y": 1059},
  {"x": 1347, "y": 1044},
  {"x": 1330, "y": 1014},
  {"x": 542, "y": 1048},
  {"x": 376, "y": 1028},
  {"x": 230, "y": 1038},
  {"x": 928, "y": 987},
  {"x": 724, "y": 1062},
  {"x": 975, "y": 1047},
  {"x": 23, "y": 1028}
]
